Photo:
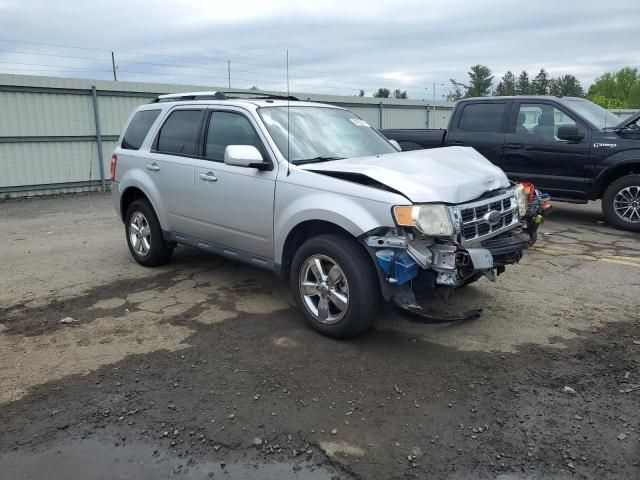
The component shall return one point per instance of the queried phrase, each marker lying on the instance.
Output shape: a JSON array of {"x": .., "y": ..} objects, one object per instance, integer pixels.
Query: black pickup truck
[{"x": 569, "y": 147}]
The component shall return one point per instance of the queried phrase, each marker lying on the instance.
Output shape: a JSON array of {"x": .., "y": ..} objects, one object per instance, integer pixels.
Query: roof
[{"x": 521, "y": 97}]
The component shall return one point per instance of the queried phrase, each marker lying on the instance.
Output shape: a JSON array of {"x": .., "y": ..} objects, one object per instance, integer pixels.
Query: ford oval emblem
[{"x": 493, "y": 217}]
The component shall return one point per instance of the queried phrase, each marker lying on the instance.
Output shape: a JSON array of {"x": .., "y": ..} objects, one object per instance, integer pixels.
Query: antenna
[
  {"x": 288, "y": 101},
  {"x": 606, "y": 112}
]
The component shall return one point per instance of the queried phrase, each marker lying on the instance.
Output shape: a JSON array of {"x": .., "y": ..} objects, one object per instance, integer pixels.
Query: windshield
[
  {"x": 322, "y": 133},
  {"x": 595, "y": 114}
]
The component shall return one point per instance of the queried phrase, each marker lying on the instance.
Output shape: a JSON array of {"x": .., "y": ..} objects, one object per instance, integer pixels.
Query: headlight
[
  {"x": 522, "y": 199},
  {"x": 432, "y": 220}
]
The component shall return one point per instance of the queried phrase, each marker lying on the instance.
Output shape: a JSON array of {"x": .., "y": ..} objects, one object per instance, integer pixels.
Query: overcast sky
[{"x": 336, "y": 47}]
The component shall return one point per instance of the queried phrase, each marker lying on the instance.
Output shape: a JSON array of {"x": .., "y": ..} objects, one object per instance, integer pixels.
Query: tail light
[{"x": 114, "y": 161}]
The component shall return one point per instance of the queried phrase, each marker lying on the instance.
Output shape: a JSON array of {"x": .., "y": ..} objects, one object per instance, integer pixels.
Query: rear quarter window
[
  {"x": 483, "y": 117},
  {"x": 138, "y": 128},
  {"x": 179, "y": 132}
]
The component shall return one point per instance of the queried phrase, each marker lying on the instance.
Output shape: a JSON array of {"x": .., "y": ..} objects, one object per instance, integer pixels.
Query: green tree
[
  {"x": 619, "y": 89},
  {"x": 507, "y": 85},
  {"x": 361, "y": 94},
  {"x": 397, "y": 93},
  {"x": 254, "y": 88},
  {"x": 523, "y": 85},
  {"x": 480, "y": 81},
  {"x": 540, "y": 84},
  {"x": 567, "y": 85},
  {"x": 382, "y": 93}
]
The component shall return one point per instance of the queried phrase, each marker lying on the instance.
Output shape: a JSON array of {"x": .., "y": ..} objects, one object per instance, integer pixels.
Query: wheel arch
[{"x": 619, "y": 169}]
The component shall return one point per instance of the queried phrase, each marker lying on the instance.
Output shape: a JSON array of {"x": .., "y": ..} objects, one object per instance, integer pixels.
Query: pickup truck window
[
  {"x": 592, "y": 113},
  {"x": 319, "y": 133},
  {"x": 483, "y": 117},
  {"x": 228, "y": 128},
  {"x": 542, "y": 120},
  {"x": 138, "y": 129},
  {"x": 179, "y": 133}
]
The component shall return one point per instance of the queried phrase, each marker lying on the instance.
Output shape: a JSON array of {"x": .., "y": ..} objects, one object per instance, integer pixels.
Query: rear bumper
[{"x": 116, "y": 197}]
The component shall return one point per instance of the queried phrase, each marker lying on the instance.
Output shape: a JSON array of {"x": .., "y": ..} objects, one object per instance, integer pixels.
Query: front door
[
  {"x": 534, "y": 153},
  {"x": 234, "y": 205}
]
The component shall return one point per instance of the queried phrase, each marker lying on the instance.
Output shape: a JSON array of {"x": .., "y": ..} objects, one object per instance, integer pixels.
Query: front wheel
[
  {"x": 335, "y": 285},
  {"x": 621, "y": 203}
]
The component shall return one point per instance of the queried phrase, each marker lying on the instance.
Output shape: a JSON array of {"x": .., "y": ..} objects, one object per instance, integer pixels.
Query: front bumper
[{"x": 422, "y": 264}]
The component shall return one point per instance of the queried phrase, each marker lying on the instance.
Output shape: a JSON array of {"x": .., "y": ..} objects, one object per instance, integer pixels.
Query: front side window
[
  {"x": 228, "y": 128},
  {"x": 138, "y": 128},
  {"x": 310, "y": 134},
  {"x": 179, "y": 133},
  {"x": 483, "y": 117},
  {"x": 541, "y": 120}
]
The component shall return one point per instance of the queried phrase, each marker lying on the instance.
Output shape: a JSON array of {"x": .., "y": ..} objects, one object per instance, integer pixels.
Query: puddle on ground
[{"x": 99, "y": 460}]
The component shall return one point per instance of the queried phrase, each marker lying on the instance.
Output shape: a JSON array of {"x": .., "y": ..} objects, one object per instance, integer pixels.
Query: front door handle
[
  {"x": 515, "y": 146},
  {"x": 208, "y": 177},
  {"x": 153, "y": 167},
  {"x": 456, "y": 143}
]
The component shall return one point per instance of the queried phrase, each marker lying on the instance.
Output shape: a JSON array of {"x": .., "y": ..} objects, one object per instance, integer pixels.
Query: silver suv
[{"x": 315, "y": 194}]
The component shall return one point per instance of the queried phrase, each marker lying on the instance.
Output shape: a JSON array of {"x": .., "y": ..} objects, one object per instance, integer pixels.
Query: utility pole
[
  {"x": 229, "y": 72},
  {"x": 113, "y": 65}
]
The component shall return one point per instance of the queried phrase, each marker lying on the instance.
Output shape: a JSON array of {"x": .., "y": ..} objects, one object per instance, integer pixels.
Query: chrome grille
[{"x": 471, "y": 222}]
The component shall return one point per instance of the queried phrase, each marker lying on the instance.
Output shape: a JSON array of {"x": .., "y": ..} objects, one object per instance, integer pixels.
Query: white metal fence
[{"x": 57, "y": 134}]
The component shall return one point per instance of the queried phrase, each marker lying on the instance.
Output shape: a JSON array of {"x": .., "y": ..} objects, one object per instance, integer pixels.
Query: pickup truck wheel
[
  {"x": 144, "y": 235},
  {"x": 335, "y": 285},
  {"x": 621, "y": 203}
]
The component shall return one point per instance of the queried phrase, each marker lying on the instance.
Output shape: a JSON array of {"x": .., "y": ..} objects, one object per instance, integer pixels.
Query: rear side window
[
  {"x": 138, "y": 128},
  {"x": 179, "y": 133},
  {"x": 483, "y": 117}
]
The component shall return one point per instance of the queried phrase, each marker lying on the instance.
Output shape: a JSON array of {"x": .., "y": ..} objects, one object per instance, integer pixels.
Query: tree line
[{"x": 619, "y": 89}]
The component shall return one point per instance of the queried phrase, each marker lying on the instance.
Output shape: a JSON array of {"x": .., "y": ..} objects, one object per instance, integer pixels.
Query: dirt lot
[{"x": 202, "y": 368}]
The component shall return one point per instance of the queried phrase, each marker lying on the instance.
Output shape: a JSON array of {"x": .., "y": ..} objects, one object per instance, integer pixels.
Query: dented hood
[{"x": 447, "y": 175}]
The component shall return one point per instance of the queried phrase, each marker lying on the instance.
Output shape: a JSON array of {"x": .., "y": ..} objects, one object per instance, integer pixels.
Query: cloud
[{"x": 335, "y": 46}]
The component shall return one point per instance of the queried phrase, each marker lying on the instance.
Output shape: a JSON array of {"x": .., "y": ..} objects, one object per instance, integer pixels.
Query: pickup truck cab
[
  {"x": 569, "y": 147},
  {"x": 314, "y": 193}
]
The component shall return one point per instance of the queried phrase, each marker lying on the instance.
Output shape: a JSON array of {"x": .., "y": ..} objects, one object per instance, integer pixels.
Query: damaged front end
[{"x": 438, "y": 248}]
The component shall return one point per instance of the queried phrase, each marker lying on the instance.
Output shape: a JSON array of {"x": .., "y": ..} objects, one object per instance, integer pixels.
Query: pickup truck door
[
  {"x": 534, "y": 153},
  {"x": 481, "y": 125},
  {"x": 234, "y": 205}
]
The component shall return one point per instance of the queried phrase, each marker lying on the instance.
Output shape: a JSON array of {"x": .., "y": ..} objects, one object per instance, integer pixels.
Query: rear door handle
[
  {"x": 515, "y": 146},
  {"x": 208, "y": 177},
  {"x": 153, "y": 167},
  {"x": 456, "y": 143}
]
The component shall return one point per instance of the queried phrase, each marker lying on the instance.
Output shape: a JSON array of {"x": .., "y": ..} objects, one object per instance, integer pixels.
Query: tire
[
  {"x": 354, "y": 280},
  {"x": 151, "y": 250},
  {"x": 621, "y": 203}
]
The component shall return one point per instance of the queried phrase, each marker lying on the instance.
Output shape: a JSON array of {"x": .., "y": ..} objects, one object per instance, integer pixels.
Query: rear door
[
  {"x": 234, "y": 205},
  {"x": 534, "y": 153},
  {"x": 171, "y": 165},
  {"x": 481, "y": 125}
]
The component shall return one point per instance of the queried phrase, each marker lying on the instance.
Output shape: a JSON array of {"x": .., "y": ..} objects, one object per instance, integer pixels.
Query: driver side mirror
[
  {"x": 246, "y": 156},
  {"x": 571, "y": 133}
]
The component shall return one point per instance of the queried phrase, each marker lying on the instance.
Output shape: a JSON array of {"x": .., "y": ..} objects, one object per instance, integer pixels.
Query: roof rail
[{"x": 219, "y": 95}]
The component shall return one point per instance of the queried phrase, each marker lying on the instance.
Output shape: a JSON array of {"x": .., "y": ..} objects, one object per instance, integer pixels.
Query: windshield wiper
[{"x": 316, "y": 160}]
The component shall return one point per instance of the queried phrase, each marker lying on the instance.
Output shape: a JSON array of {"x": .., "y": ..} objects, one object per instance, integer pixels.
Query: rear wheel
[
  {"x": 621, "y": 203},
  {"x": 144, "y": 235},
  {"x": 334, "y": 285}
]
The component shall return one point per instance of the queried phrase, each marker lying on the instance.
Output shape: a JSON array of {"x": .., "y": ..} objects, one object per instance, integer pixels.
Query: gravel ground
[{"x": 203, "y": 369}]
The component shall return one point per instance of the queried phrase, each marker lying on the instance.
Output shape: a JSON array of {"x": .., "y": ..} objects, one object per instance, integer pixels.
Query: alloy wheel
[
  {"x": 626, "y": 204},
  {"x": 140, "y": 234},
  {"x": 324, "y": 289}
]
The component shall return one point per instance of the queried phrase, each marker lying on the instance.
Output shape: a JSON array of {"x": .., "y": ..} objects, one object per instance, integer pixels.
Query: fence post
[
  {"x": 96, "y": 116},
  {"x": 380, "y": 110},
  {"x": 428, "y": 116}
]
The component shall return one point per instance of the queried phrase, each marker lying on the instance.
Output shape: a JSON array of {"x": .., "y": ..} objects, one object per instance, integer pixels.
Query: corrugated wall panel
[
  {"x": 404, "y": 117},
  {"x": 36, "y": 163}
]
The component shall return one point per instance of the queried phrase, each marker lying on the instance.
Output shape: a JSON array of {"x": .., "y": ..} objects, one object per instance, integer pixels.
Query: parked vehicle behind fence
[
  {"x": 315, "y": 194},
  {"x": 567, "y": 146}
]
